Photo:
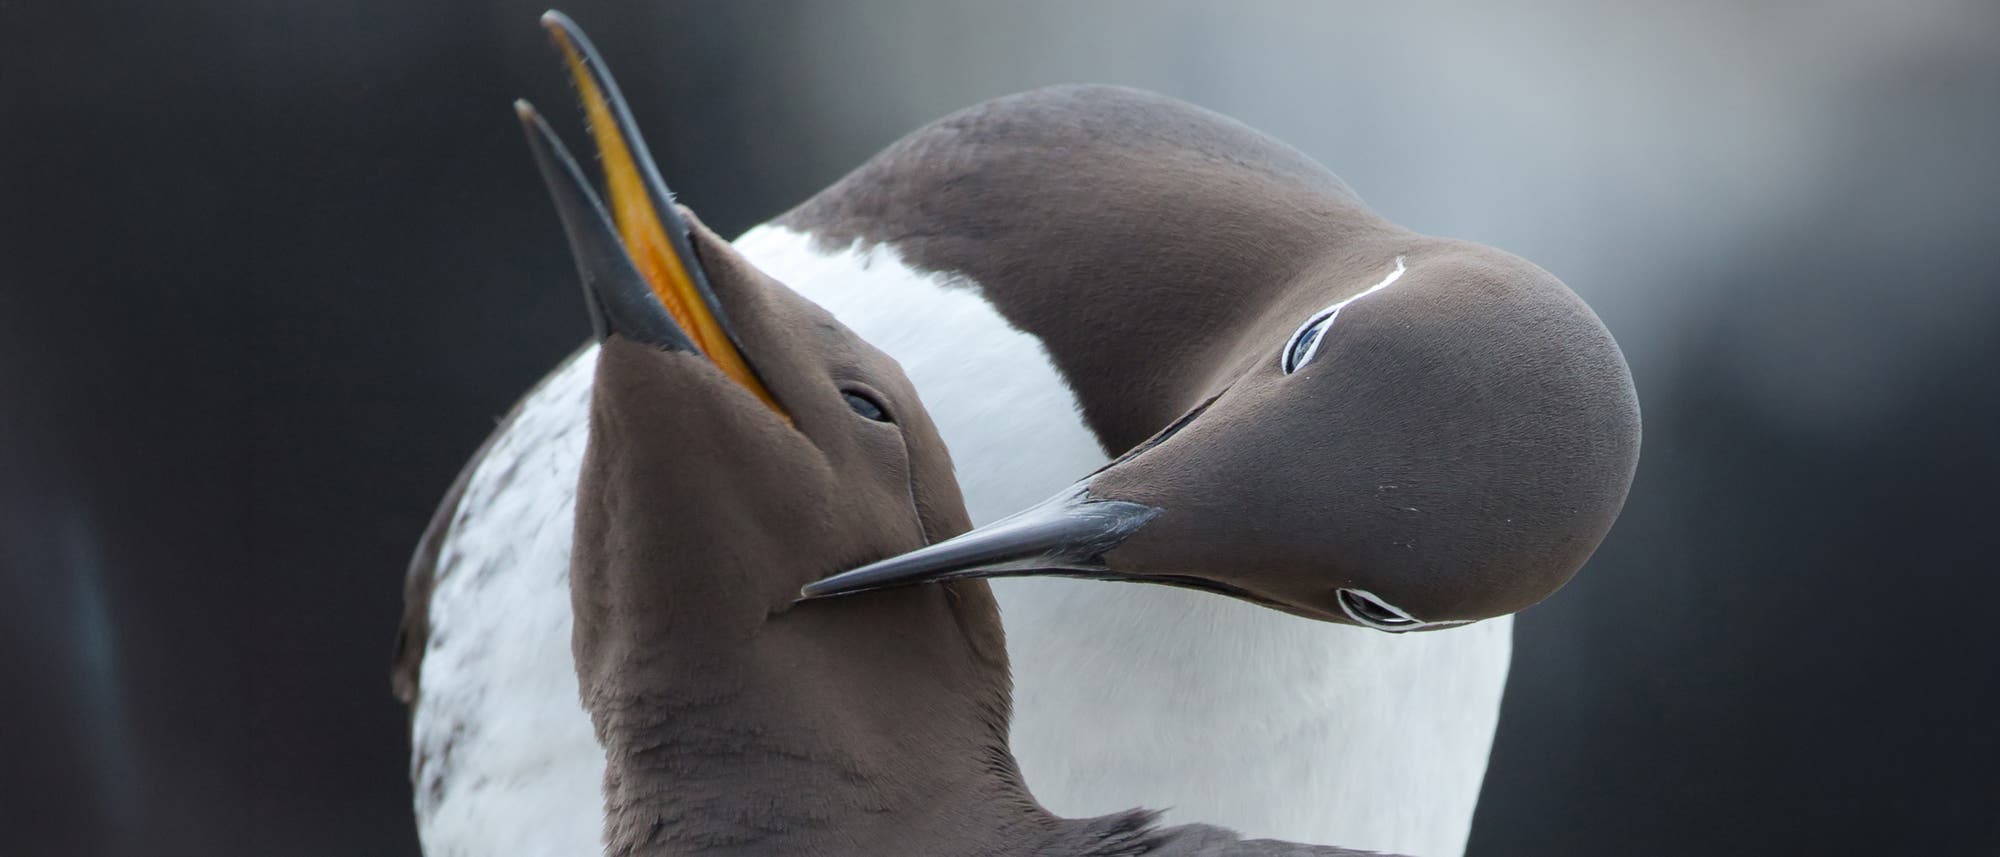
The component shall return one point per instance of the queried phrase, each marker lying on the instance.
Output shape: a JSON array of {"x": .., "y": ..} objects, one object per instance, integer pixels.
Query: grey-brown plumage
[
  {"x": 737, "y": 720},
  {"x": 1448, "y": 448},
  {"x": 1132, "y": 233}
]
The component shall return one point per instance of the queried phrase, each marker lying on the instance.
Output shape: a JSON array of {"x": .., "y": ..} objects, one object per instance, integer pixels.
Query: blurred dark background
[{"x": 269, "y": 271}]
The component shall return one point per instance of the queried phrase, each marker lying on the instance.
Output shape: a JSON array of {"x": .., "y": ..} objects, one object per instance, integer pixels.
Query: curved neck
[{"x": 1137, "y": 236}]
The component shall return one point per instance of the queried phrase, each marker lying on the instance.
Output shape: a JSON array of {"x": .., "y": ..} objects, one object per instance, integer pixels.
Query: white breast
[
  {"x": 1125, "y": 695},
  {"x": 503, "y": 758}
]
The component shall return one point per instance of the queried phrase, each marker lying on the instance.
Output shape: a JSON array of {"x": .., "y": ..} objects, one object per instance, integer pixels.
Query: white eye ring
[
  {"x": 1305, "y": 342},
  {"x": 1370, "y": 611},
  {"x": 1365, "y": 608}
]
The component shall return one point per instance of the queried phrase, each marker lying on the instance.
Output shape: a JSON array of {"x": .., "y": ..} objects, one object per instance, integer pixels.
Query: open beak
[
  {"x": 640, "y": 274},
  {"x": 1066, "y": 536}
]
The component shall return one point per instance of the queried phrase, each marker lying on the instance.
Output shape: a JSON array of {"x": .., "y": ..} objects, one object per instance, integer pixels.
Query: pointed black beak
[
  {"x": 1067, "y": 535},
  {"x": 641, "y": 276},
  {"x": 619, "y": 299}
]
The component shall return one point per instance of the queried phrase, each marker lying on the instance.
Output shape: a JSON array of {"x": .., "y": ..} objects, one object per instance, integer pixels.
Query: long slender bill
[
  {"x": 1066, "y": 535},
  {"x": 620, "y": 300},
  {"x": 654, "y": 233}
]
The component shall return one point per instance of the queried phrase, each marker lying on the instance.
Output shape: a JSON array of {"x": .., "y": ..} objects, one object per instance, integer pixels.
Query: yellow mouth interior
[{"x": 645, "y": 237}]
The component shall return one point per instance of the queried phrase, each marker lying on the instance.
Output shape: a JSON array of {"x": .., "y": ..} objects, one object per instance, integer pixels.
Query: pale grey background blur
[{"x": 269, "y": 270}]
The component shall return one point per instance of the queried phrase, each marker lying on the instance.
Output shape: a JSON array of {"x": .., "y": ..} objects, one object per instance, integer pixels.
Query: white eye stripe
[
  {"x": 1313, "y": 332},
  {"x": 1370, "y": 610}
]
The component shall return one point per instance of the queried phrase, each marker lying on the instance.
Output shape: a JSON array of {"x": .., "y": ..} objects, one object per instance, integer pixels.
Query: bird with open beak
[
  {"x": 1269, "y": 391},
  {"x": 741, "y": 444}
]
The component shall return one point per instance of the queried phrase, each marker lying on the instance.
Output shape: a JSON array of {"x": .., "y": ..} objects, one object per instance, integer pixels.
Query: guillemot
[
  {"x": 1361, "y": 424},
  {"x": 722, "y": 472},
  {"x": 1313, "y": 409},
  {"x": 986, "y": 252}
]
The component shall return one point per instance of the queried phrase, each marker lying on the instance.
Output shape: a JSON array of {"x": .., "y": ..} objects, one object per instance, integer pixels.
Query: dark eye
[
  {"x": 865, "y": 406},
  {"x": 1306, "y": 341},
  {"x": 1299, "y": 350},
  {"x": 1365, "y": 608}
]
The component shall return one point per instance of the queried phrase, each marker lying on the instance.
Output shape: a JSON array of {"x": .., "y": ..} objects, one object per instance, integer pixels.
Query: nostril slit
[{"x": 1368, "y": 610}]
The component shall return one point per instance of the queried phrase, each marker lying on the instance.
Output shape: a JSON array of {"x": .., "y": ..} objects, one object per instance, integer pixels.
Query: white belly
[{"x": 1125, "y": 695}]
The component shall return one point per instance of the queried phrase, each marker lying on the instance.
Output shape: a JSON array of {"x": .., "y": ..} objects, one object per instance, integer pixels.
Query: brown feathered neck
[
  {"x": 736, "y": 721},
  {"x": 732, "y": 720}
]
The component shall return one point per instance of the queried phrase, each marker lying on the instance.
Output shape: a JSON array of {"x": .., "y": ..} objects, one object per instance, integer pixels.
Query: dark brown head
[
  {"x": 751, "y": 400},
  {"x": 1362, "y": 424},
  {"x": 736, "y": 499},
  {"x": 1446, "y": 439}
]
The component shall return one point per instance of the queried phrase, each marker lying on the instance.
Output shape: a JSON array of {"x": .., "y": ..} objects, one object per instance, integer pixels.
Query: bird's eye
[
  {"x": 865, "y": 406},
  {"x": 1365, "y": 608},
  {"x": 1299, "y": 350},
  {"x": 1305, "y": 343}
]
